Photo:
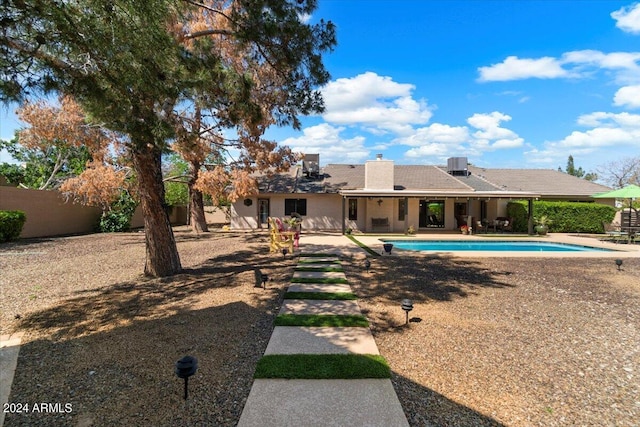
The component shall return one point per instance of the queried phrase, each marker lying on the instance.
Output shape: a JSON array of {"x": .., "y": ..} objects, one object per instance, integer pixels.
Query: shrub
[
  {"x": 118, "y": 219},
  {"x": 565, "y": 217},
  {"x": 11, "y": 223}
]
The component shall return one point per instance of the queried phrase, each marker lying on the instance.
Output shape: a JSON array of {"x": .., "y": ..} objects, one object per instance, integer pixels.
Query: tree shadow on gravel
[
  {"x": 420, "y": 279},
  {"x": 124, "y": 376},
  {"x": 89, "y": 311},
  {"x": 425, "y": 407}
]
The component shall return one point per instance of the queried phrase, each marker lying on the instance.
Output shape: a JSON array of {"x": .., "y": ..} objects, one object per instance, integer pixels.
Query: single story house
[{"x": 382, "y": 196}]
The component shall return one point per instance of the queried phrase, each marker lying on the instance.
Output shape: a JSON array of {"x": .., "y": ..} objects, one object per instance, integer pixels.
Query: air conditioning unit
[
  {"x": 457, "y": 166},
  {"x": 311, "y": 165}
]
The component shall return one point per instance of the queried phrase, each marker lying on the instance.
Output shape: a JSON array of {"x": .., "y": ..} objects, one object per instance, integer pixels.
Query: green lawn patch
[
  {"x": 324, "y": 280},
  {"x": 321, "y": 295},
  {"x": 327, "y": 320},
  {"x": 321, "y": 269},
  {"x": 322, "y": 366},
  {"x": 362, "y": 245}
]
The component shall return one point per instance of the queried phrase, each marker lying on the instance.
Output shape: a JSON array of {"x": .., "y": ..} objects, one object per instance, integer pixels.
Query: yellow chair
[{"x": 278, "y": 238}]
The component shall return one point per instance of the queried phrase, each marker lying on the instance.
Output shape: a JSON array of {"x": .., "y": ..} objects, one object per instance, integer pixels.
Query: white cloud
[
  {"x": 619, "y": 131},
  {"x": 326, "y": 140},
  {"x": 602, "y": 119},
  {"x": 514, "y": 68},
  {"x": 436, "y": 133},
  {"x": 374, "y": 101},
  {"x": 574, "y": 64},
  {"x": 628, "y": 96},
  {"x": 489, "y": 129},
  {"x": 304, "y": 18},
  {"x": 628, "y": 18}
]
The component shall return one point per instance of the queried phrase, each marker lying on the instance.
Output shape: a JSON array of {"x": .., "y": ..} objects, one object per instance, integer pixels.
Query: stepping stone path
[{"x": 321, "y": 402}]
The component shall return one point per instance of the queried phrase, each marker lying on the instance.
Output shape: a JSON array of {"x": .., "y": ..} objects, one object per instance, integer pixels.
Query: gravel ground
[{"x": 517, "y": 342}]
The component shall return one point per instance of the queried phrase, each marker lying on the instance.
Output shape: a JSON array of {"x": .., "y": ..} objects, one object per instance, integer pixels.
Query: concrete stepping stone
[
  {"x": 319, "y": 275},
  {"x": 319, "y": 265},
  {"x": 321, "y": 340},
  {"x": 296, "y": 306},
  {"x": 319, "y": 287},
  {"x": 322, "y": 403},
  {"x": 315, "y": 260}
]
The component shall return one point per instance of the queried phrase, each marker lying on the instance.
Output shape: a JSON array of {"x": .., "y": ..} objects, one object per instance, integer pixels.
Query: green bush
[
  {"x": 11, "y": 223},
  {"x": 118, "y": 219},
  {"x": 566, "y": 217}
]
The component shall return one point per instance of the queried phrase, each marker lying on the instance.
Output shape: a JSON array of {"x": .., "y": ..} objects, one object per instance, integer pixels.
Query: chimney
[{"x": 378, "y": 174}]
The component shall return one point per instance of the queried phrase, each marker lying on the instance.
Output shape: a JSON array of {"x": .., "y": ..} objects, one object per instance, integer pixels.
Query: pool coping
[{"x": 617, "y": 250}]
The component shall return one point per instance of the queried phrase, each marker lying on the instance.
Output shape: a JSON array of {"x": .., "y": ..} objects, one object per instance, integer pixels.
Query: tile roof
[
  {"x": 336, "y": 177},
  {"x": 546, "y": 182}
]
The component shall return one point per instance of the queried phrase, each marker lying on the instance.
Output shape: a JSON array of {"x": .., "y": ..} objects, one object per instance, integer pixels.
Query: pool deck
[{"x": 618, "y": 250}]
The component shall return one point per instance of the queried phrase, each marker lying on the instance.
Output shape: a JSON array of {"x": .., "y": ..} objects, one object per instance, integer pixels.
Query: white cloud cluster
[
  {"x": 490, "y": 135},
  {"x": 627, "y": 96},
  {"x": 575, "y": 64},
  {"x": 628, "y": 18},
  {"x": 327, "y": 140},
  {"x": 514, "y": 68},
  {"x": 607, "y": 130},
  {"x": 374, "y": 101}
]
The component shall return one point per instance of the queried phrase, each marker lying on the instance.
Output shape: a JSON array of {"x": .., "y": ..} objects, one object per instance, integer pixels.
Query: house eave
[{"x": 440, "y": 193}]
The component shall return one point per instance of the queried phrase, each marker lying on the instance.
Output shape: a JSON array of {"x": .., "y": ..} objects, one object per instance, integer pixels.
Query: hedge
[
  {"x": 11, "y": 223},
  {"x": 566, "y": 217}
]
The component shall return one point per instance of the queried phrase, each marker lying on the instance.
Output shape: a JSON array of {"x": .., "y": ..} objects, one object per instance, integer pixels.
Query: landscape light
[
  {"x": 264, "y": 278},
  {"x": 284, "y": 252},
  {"x": 367, "y": 264},
  {"x": 407, "y": 306},
  {"x": 186, "y": 367},
  {"x": 619, "y": 263}
]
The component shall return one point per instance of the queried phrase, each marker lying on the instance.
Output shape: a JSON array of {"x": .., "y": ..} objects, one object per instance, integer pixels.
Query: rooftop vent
[
  {"x": 311, "y": 165},
  {"x": 457, "y": 166}
]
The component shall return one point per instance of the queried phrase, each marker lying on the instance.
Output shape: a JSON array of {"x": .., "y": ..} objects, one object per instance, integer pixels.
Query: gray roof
[
  {"x": 337, "y": 177},
  {"x": 546, "y": 182}
]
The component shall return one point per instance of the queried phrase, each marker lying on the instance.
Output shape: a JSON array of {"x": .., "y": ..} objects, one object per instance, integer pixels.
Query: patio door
[
  {"x": 263, "y": 211},
  {"x": 431, "y": 214}
]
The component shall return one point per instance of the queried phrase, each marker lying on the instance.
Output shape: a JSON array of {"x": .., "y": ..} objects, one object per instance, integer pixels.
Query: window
[
  {"x": 402, "y": 209},
  {"x": 353, "y": 209},
  {"x": 298, "y": 206}
]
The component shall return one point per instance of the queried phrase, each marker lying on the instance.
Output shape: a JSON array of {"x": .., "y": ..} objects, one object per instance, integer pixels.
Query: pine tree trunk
[
  {"x": 196, "y": 202},
  {"x": 162, "y": 257}
]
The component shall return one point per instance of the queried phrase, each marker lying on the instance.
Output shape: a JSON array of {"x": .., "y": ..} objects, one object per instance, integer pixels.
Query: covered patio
[{"x": 396, "y": 211}]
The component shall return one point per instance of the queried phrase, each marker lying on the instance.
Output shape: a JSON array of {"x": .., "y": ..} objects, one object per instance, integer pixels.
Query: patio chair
[
  {"x": 614, "y": 232},
  {"x": 279, "y": 238}
]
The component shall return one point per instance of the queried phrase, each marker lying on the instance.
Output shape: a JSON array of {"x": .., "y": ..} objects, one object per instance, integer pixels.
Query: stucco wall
[
  {"x": 323, "y": 211},
  {"x": 47, "y": 213}
]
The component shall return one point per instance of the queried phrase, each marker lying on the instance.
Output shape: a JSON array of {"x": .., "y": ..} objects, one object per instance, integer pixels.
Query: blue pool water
[{"x": 484, "y": 245}]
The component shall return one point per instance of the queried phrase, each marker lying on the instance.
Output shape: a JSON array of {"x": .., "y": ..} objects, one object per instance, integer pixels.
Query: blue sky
[{"x": 508, "y": 84}]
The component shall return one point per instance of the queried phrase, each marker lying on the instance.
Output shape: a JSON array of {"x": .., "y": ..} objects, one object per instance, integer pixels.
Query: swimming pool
[{"x": 490, "y": 245}]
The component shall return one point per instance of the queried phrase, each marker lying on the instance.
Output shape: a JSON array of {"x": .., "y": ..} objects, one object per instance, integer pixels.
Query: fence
[{"x": 49, "y": 215}]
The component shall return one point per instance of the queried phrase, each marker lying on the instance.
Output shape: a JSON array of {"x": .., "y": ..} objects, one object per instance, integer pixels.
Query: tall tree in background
[
  {"x": 571, "y": 170},
  {"x": 56, "y": 144},
  {"x": 129, "y": 63},
  {"x": 620, "y": 173}
]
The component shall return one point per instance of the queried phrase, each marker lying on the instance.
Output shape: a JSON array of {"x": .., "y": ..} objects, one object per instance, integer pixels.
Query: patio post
[
  {"x": 406, "y": 214},
  {"x": 344, "y": 201},
  {"x": 530, "y": 218}
]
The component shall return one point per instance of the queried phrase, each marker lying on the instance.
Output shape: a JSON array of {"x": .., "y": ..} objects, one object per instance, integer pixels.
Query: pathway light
[
  {"x": 407, "y": 306},
  {"x": 619, "y": 263},
  {"x": 186, "y": 367}
]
